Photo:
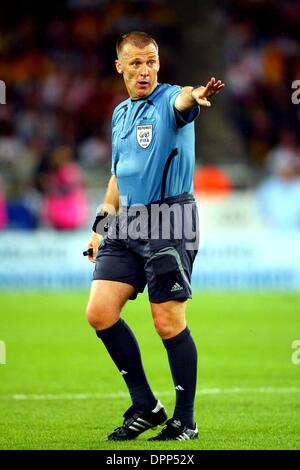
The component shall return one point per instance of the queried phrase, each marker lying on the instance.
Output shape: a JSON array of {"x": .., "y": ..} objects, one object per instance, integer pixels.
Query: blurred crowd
[
  {"x": 262, "y": 54},
  {"x": 262, "y": 57},
  {"x": 57, "y": 61}
]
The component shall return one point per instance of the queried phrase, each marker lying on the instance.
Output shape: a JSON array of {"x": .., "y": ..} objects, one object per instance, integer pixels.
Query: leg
[
  {"x": 170, "y": 324},
  {"x": 169, "y": 318},
  {"x": 103, "y": 313},
  {"x": 106, "y": 301}
]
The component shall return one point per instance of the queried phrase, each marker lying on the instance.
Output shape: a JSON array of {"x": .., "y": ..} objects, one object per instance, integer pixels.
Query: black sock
[
  {"x": 182, "y": 354},
  {"x": 124, "y": 351}
]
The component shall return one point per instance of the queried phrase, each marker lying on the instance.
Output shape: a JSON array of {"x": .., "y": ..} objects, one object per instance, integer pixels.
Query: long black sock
[
  {"x": 182, "y": 354},
  {"x": 124, "y": 351}
]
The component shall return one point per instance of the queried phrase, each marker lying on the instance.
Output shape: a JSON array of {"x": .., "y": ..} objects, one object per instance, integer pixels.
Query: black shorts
[{"x": 154, "y": 245}]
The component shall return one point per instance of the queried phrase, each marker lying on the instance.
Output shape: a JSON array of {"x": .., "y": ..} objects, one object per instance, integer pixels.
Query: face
[{"x": 139, "y": 68}]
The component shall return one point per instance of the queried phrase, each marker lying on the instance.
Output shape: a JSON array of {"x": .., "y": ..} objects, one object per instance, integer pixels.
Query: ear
[{"x": 118, "y": 66}]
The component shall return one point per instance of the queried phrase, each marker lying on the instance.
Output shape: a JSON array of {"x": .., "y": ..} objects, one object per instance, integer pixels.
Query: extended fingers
[
  {"x": 204, "y": 102},
  {"x": 214, "y": 86}
]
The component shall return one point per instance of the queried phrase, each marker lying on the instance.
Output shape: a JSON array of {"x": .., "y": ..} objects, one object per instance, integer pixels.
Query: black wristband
[{"x": 103, "y": 227}]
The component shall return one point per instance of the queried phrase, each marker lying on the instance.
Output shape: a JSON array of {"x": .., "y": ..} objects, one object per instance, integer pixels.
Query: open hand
[{"x": 201, "y": 93}]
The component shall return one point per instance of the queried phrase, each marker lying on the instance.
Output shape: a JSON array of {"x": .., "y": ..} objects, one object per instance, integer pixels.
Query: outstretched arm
[{"x": 190, "y": 97}]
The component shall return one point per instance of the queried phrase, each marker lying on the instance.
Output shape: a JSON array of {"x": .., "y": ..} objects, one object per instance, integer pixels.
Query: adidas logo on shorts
[{"x": 176, "y": 287}]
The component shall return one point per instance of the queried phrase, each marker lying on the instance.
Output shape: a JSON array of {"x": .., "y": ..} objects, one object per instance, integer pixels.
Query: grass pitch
[{"x": 60, "y": 390}]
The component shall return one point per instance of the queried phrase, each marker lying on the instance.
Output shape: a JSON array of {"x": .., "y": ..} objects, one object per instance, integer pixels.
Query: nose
[{"x": 144, "y": 71}]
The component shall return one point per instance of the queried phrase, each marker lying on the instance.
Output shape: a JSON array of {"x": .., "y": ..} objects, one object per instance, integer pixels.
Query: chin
[{"x": 143, "y": 93}]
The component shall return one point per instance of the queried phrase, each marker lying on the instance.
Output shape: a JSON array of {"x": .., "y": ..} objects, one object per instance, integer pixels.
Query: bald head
[{"x": 138, "y": 39}]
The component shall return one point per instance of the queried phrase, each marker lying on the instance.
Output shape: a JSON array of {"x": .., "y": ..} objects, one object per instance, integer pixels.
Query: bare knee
[
  {"x": 167, "y": 326},
  {"x": 101, "y": 316},
  {"x": 106, "y": 301},
  {"x": 169, "y": 318},
  {"x": 164, "y": 328}
]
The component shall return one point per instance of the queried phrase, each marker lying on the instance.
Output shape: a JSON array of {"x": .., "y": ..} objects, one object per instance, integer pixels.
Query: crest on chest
[{"x": 144, "y": 134}]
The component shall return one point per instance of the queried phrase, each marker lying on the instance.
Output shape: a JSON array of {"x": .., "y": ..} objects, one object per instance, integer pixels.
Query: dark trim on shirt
[{"x": 165, "y": 173}]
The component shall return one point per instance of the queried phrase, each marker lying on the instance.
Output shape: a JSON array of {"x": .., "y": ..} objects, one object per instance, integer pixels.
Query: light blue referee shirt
[{"x": 153, "y": 147}]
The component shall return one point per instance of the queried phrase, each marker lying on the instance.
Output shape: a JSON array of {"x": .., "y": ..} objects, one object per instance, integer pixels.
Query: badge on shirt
[{"x": 144, "y": 135}]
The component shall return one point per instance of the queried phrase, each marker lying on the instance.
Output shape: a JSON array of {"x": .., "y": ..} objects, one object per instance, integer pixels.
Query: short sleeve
[
  {"x": 185, "y": 118},
  {"x": 181, "y": 118}
]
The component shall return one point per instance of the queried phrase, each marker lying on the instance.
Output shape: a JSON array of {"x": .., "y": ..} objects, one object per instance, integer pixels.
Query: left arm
[{"x": 190, "y": 97}]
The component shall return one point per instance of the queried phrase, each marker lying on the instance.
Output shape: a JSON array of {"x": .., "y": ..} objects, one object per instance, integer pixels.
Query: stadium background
[{"x": 57, "y": 388}]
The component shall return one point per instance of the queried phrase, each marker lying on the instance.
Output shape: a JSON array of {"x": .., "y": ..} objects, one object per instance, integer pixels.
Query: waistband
[{"x": 181, "y": 199}]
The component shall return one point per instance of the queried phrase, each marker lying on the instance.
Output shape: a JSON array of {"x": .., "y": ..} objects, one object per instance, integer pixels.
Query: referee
[{"x": 153, "y": 238}]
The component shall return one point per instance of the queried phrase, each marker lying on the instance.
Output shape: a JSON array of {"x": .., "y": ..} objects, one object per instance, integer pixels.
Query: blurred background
[
  {"x": 57, "y": 64},
  {"x": 58, "y": 87}
]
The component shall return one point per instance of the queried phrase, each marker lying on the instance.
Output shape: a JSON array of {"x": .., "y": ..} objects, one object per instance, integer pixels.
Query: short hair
[{"x": 137, "y": 38}]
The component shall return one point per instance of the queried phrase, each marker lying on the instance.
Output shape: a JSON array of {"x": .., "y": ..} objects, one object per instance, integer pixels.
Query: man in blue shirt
[
  {"x": 148, "y": 134},
  {"x": 153, "y": 238}
]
